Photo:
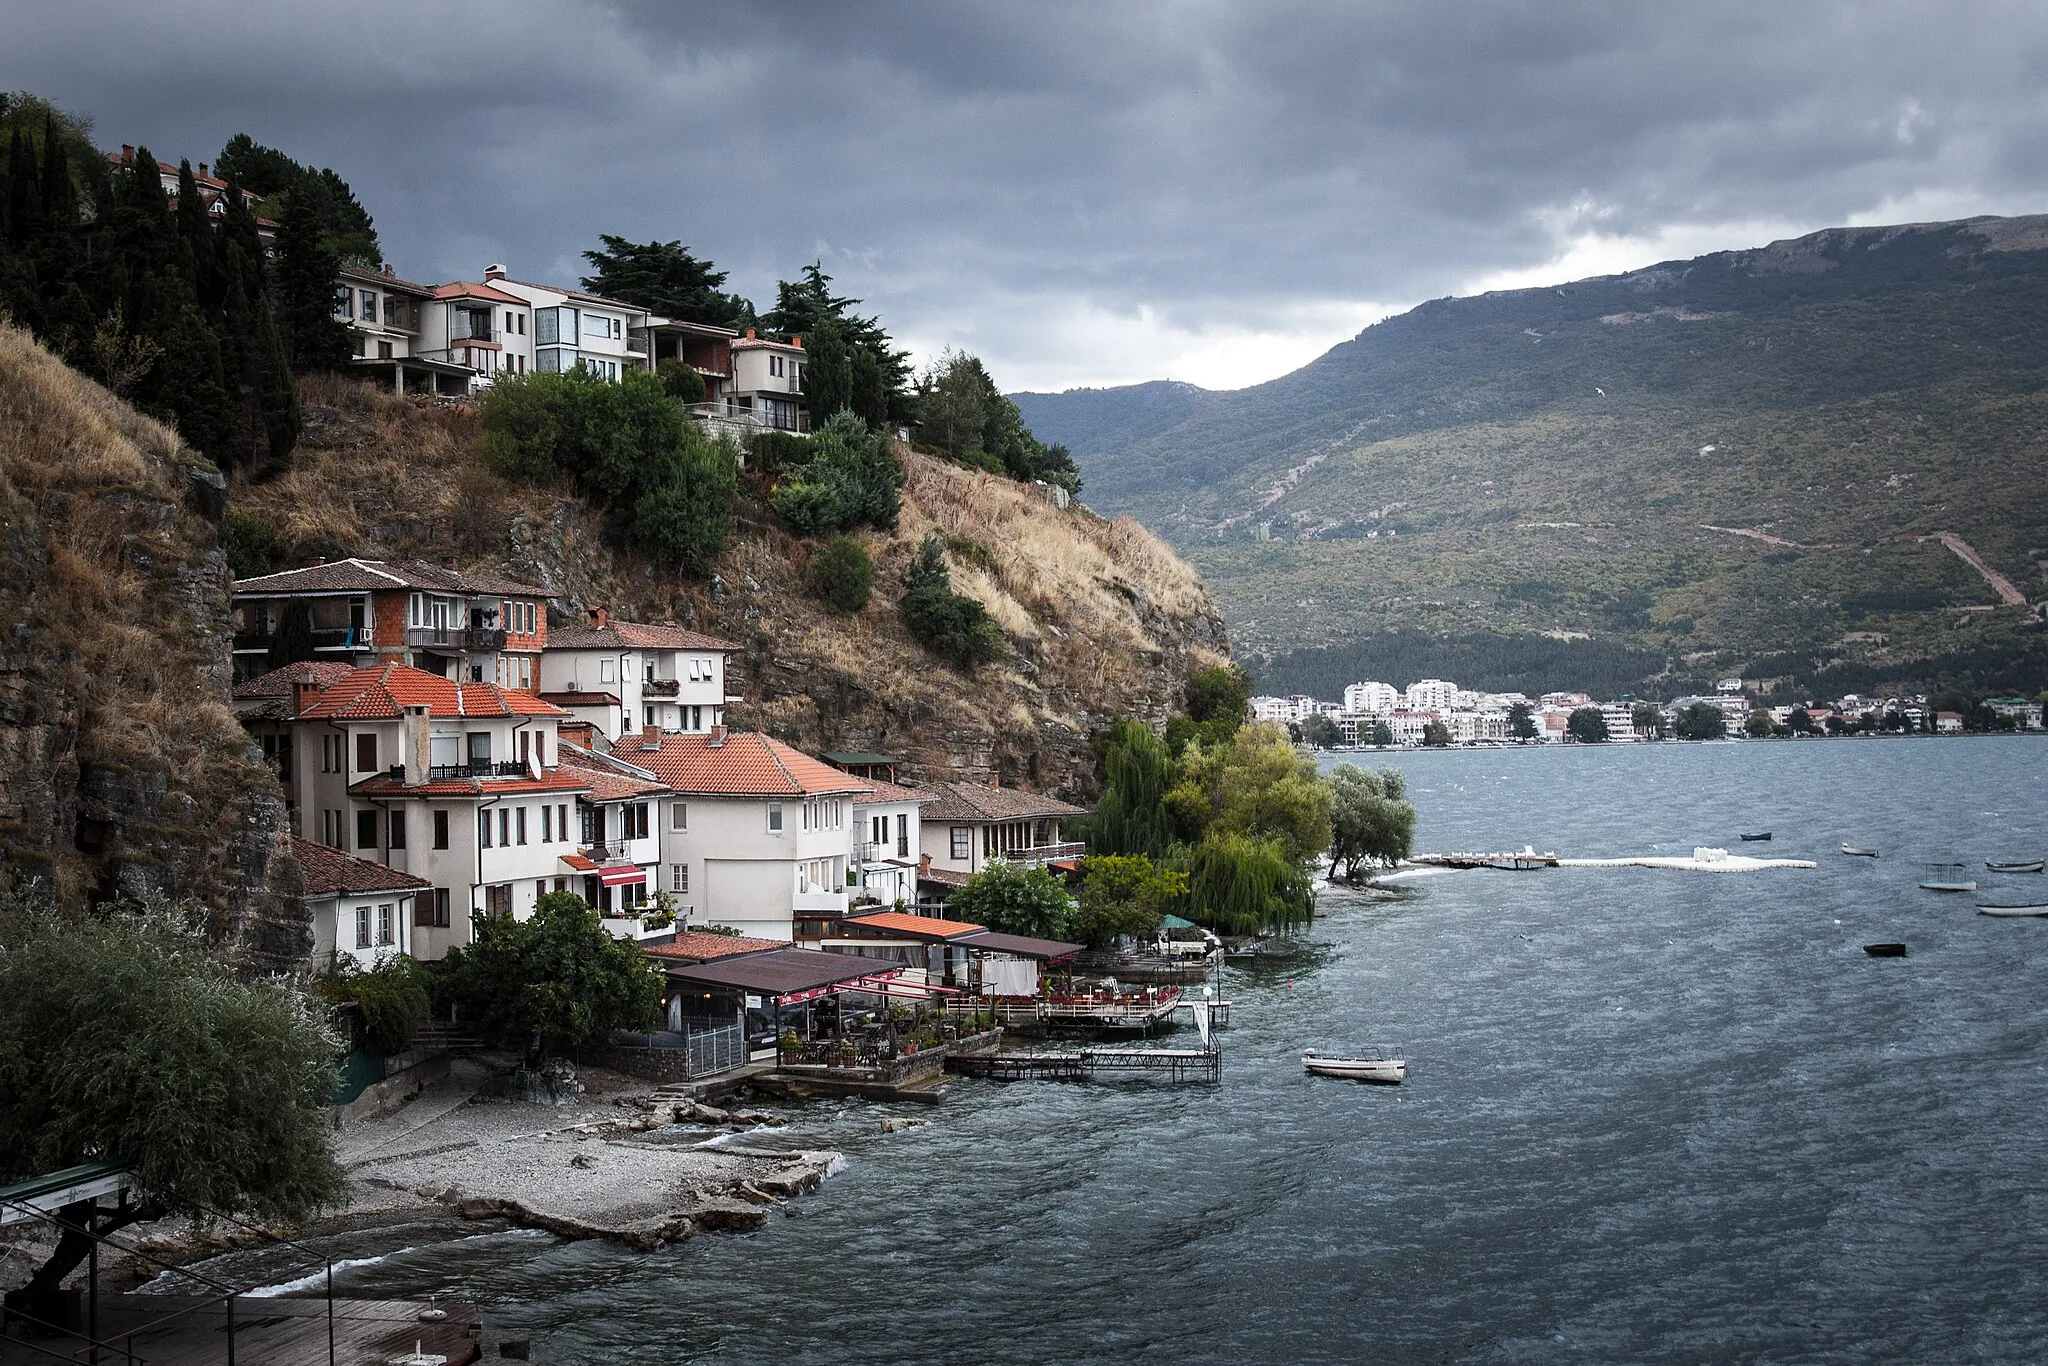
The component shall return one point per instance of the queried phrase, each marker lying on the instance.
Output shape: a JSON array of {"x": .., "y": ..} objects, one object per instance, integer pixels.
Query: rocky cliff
[
  {"x": 1102, "y": 619},
  {"x": 122, "y": 768}
]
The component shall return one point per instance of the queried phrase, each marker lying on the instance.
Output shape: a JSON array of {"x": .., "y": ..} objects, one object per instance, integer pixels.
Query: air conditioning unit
[{"x": 574, "y": 686}]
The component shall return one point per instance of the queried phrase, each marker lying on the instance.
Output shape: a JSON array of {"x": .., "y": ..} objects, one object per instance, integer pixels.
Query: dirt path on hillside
[
  {"x": 2000, "y": 584},
  {"x": 1769, "y": 539}
]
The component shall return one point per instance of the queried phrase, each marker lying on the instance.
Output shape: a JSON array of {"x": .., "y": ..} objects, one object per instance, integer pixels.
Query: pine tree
[{"x": 314, "y": 339}]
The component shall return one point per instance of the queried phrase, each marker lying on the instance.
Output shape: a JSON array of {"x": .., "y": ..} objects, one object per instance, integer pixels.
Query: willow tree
[
  {"x": 1238, "y": 885},
  {"x": 1131, "y": 817}
]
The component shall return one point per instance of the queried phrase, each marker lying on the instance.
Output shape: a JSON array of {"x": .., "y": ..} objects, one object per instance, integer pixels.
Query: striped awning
[{"x": 627, "y": 876}]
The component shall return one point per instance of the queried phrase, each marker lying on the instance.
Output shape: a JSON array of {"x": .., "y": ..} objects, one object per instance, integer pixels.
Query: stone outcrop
[{"x": 123, "y": 772}]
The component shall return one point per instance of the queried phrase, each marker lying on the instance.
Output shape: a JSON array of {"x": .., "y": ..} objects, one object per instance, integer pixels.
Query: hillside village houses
[{"x": 458, "y": 338}]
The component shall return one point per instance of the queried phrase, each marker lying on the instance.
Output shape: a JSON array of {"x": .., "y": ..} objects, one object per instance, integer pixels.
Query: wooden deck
[
  {"x": 1175, "y": 1064},
  {"x": 177, "y": 1330}
]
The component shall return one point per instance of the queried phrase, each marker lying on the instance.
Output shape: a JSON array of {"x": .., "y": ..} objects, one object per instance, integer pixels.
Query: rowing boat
[
  {"x": 1384, "y": 1071},
  {"x": 2024, "y": 866},
  {"x": 1858, "y": 851},
  {"x": 2011, "y": 910}
]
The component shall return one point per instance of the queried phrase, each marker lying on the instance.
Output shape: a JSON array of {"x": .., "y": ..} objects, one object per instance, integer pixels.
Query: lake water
[{"x": 1650, "y": 1116}]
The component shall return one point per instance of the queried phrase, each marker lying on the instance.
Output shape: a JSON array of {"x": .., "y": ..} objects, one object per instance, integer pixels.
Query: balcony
[
  {"x": 324, "y": 638},
  {"x": 660, "y": 687},
  {"x": 1040, "y": 854},
  {"x": 475, "y": 768},
  {"x": 608, "y": 852},
  {"x": 745, "y": 421},
  {"x": 483, "y": 638},
  {"x": 871, "y": 852},
  {"x": 831, "y": 903}
]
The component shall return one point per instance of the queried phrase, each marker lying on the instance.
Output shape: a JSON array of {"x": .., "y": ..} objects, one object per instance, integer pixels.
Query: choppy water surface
[{"x": 1650, "y": 1115}]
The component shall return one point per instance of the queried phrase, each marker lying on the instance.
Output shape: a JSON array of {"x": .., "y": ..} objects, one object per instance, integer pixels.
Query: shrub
[
  {"x": 250, "y": 543},
  {"x": 681, "y": 380},
  {"x": 957, "y": 629},
  {"x": 559, "y": 975},
  {"x": 1240, "y": 885},
  {"x": 390, "y": 999},
  {"x": 770, "y": 453},
  {"x": 853, "y": 479},
  {"x": 842, "y": 574},
  {"x": 1012, "y": 899}
]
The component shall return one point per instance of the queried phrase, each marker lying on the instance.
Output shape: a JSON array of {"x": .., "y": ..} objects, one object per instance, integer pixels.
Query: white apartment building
[
  {"x": 385, "y": 317},
  {"x": 482, "y": 329},
  {"x": 767, "y": 384},
  {"x": 624, "y": 676},
  {"x": 756, "y": 835},
  {"x": 618, "y": 840},
  {"x": 888, "y": 839},
  {"x": 572, "y": 328},
  {"x": 455, "y": 783},
  {"x": 1371, "y": 699},
  {"x": 1468, "y": 727},
  {"x": 1620, "y": 719},
  {"x": 970, "y": 823},
  {"x": 1432, "y": 694}
]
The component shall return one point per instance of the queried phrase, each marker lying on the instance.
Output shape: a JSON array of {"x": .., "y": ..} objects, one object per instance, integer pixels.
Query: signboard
[{"x": 753, "y": 1003}]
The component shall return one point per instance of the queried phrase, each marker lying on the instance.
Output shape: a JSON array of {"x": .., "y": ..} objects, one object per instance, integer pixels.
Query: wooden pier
[
  {"x": 1524, "y": 861},
  {"x": 1085, "y": 1064},
  {"x": 178, "y": 1330}
]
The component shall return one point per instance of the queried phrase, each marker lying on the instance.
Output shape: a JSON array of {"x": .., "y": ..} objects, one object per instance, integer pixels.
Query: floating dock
[
  {"x": 1522, "y": 862},
  {"x": 1085, "y": 1064}
]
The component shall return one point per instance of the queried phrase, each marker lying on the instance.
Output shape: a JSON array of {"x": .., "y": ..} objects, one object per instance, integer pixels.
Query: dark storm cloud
[{"x": 1088, "y": 191}]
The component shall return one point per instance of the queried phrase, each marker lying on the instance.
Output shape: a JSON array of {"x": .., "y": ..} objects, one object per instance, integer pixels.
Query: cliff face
[
  {"x": 122, "y": 769},
  {"x": 1102, "y": 619}
]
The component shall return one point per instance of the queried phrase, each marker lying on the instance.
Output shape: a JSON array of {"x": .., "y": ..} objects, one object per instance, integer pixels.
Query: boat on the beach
[
  {"x": 1885, "y": 950},
  {"x": 2023, "y": 866},
  {"x": 1383, "y": 1071},
  {"x": 1859, "y": 851},
  {"x": 1948, "y": 877},
  {"x": 2012, "y": 910},
  {"x": 1760, "y": 837}
]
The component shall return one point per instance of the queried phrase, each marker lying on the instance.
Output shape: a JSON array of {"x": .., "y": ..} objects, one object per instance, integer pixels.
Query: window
[
  {"x": 648, "y": 714},
  {"x": 547, "y": 825},
  {"x": 902, "y": 836},
  {"x": 679, "y": 816},
  {"x": 483, "y": 828},
  {"x": 431, "y": 909},
  {"x": 387, "y": 927},
  {"x": 397, "y": 840},
  {"x": 562, "y": 822},
  {"x": 679, "y": 877},
  {"x": 344, "y": 302},
  {"x": 774, "y": 816},
  {"x": 554, "y": 326},
  {"x": 383, "y": 350},
  {"x": 962, "y": 835},
  {"x": 636, "y": 821},
  {"x": 498, "y": 901},
  {"x": 440, "y": 829},
  {"x": 520, "y": 824},
  {"x": 696, "y": 718},
  {"x": 522, "y": 324},
  {"x": 369, "y": 305},
  {"x": 362, "y": 927},
  {"x": 366, "y": 753},
  {"x": 479, "y": 745},
  {"x": 604, "y": 671},
  {"x": 504, "y": 826},
  {"x": 775, "y": 366},
  {"x": 366, "y": 829},
  {"x": 508, "y": 320}
]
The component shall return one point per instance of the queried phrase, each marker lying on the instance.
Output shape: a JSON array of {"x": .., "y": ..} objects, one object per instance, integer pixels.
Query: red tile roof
[
  {"x": 745, "y": 764},
  {"x": 980, "y": 802},
  {"x": 890, "y": 792},
  {"x": 917, "y": 926},
  {"x": 464, "y": 289},
  {"x": 580, "y": 699},
  {"x": 609, "y": 780},
  {"x": 693, "y": 946},
  {"x": 281, "y": 682},
  {"x": 368, "y": 576},
  {"x": 553, "y": 781},
  {"x": 329, "y": 872},
  {"x": 382, "y": 691},
  {"x": 632, "y": 634}
]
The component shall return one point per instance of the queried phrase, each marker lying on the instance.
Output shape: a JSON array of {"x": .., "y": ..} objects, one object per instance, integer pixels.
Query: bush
[
  {"x": 853, "y": 479},
  {"x": 955, "y": 628},
  {"x": 842, "y": 574},
  {"x": 681, "y": 380},
  {"x": 250, "y": 544},
  {"x": 1587, "y": 725},
  {"x": 390, "y": 999},
  {"x": 559, "y": 975},
  {"x": 1012, "y": 899},
  {"x": 770, "y": 453}
]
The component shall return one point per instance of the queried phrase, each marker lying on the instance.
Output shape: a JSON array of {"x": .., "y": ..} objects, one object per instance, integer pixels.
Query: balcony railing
[
  {"x": 483, "y": 638},
  {"x": 324, "y": 638},
  {"x": 609, "y": 852},
  {"x": 1042, "y": 853},
  {"x": 660, "y": 687},
  {"x": 747, "y": 419},
  {"x": 876, "y": 852},
  {"x": 475, "y": 768}
]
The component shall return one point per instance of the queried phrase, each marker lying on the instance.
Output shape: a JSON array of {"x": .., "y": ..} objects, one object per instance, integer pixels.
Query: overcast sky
[{"x": 1096, "y": 192}]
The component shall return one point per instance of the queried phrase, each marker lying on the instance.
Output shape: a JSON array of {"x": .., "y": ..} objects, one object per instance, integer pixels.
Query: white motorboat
[
  {"x": 2011, "y": 911},
  {"x": 1859, "y": 851},
  {"x": 1384, "y": 1071}
]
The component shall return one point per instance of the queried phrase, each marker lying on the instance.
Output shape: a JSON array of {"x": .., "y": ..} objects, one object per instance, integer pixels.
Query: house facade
[
  {"x": 458, "y": 784},
  {"x": 572, "y": 328},
  {"x": 484, "y": 331},
  {"x": 965, "y": 825},
  {"x": 888, "y": 842},
  {"x": 618, "y": 828},
  {"x": 476, "y": 628},
  {"x": 385, "y": 317},
  {"x": 756, "y": 835},
  {"x": 362, "y": 911},
  {"x": 767, "y": 389},
  {"x": 623, "y": 676}
]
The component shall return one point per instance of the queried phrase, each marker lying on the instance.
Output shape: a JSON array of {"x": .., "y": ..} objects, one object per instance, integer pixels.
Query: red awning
[
  {"x": 622, "y": 877},
  {"x": 894, "y": 986}
]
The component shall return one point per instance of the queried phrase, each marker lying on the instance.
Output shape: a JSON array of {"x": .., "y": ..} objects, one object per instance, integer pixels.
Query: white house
[
  {"x": 623, "y": 676},
  {"x": 887, "y": 842},
  {"x": 572, "y": 328},
  {"x": 1371, "y": 699},
  {"x": 618, "y": 851},
  {"x": 756, "y": 835},
  {"x": 455, "y": 783},
  {"x": 1432, "y": 694},
  {"x": 362, "y": 911},
  {"x": 967, "y": 824},
  {"x": 484, "y": 330},
  {"x": 385, "y": 317},
  {"x": 767, "y": 387}
]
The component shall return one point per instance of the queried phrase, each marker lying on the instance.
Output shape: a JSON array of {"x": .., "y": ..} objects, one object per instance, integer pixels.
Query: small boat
[
  {"x": 1858, "y": 851},
  {"x": 2024, "y": 866},
  {"x": 2012, "y": 910},
  {"x": 1384, "y": 1071},
  {"x": 1527, "y": 861},
  {"x": 1885, "y": 950},
  {"x": 1948, "y": 877},
  {"x": 1760, "y": 837}
]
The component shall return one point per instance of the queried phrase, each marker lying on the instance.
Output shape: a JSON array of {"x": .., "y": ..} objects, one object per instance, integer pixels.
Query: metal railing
[
  {"x": 475, "y": 768},
  {"x": 706, "y": 1048},
  {"x": 660, "y": 687},
  {"x": 608, "y": 851},
  {"x": 751, "y": 419},
  {"x": 1041, "y": 853}
]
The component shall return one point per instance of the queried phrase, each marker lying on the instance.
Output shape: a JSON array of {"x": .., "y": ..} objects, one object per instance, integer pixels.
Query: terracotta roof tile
[
  {"x": 467, "y": 289},
  {"x": 329, "y": 872},
  {"x": 382, "y": 691},
  {"x": 580, "y": 699},
  {"x": 634, "y": 635},
  {"x": 693, "y": 946},
  {"x": 917, "y": 926},
  {"x": 980, "y": 802},
  {"x": 743, "y": 764},
  {"x": 609, "y": 779},
  {"x": 890, "y": 792},
  {"x": 369, "y": 576},
  {"x": 552, "y": 781}
]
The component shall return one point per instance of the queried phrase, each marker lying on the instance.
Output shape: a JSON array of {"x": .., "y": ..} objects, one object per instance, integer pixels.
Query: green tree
[
  {"x": 1522, "y": 721},
  {"x": 1382, "y": 734},
  {"x": 964, "y": 414},
  {"x": 120, "y": 1038},
  {"x": 1371, "y": 820},
  {"x": 1124, "y": 894},
  {"x": 314, "y": 339},
  {"x": 1800, "y": 722},
  {"x": 1011, "y": 898},
  {"x": 1700, "y": 721},
  {"x": 1647, "y": 719},
  {"x": 560, "y": 976},
  {"x": 806, "y": 304},
  {"x": 344, "y": 225},
  {"x": 1221, "y": 692},
  {"x": 1758, "y": 725},
  {"x": 954, "y": 627},
  {"x": 842, "y": 574},
  {"x": 1320, "y": 731},
  {"x": 294, "y": 639},
  {"x": 1587, "y": 725},
  {"x": 1436, "y": 734},
  {"x": 851, "y": 479},
  {"x": 684, "y": 523},
  {"x": 1131, "y": 818},
  {"x": 1243, "y": 886},
  {"x": 681, "y": 381},
  {"x": 1260, "y": 786},
  {"x": 390, "y": 1000},
  {"x": 665, "y": 278}
]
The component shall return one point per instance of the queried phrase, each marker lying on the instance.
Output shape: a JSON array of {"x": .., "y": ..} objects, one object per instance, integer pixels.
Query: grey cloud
[{"x": 976, "y": 170}]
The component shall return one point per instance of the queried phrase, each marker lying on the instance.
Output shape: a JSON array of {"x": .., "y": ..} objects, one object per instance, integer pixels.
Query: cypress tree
[
  {"x": 307, "y": 269},
  {"x": 294, "y": 639},
  {"x": 23, "y": 220}
]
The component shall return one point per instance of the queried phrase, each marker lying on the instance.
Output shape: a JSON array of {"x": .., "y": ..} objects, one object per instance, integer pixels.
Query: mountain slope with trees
[{"x": 1734, "y": 463}]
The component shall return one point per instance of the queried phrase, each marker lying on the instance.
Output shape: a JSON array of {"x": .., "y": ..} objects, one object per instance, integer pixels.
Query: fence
[{"x": 691, "y": 1052}]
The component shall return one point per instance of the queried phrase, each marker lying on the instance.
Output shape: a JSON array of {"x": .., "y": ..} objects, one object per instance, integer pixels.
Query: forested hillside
[{"x": 1749, "y": 454}]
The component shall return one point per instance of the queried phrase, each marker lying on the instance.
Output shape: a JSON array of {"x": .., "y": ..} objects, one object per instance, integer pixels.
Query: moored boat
[
  {"x": 1885, "y": 950},
  {"x": 1948, "y": 877},
  {"x": 2012, "y": 910},
  {"x": 2023, "y": 866},
  {"x": 1383, "y": 1071},
  {"x": 1760, "y": 837},
  {"x": 1859, "y": 851}
]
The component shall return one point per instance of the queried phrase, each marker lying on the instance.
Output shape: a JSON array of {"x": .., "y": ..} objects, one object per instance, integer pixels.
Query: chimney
[
  {"x": 388, "y": 270},
  {"x": 924, "y": 863},
  {"x": 650, "y": 739},
  {"x": 750, "y": 334},
  {"x": 494, "y": 271},
  {"x": 599, "y": 618},
  {"x": 305, "y": 688},
  {"x": 127, "y": 153},
  {"x": 202, "y": 171},
  {"x": 414, "y": 744},
  {"x": 797, "y": 340},
  {"x": 716, "y": 739}
]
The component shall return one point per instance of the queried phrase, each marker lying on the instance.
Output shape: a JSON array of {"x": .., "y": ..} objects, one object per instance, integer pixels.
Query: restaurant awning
[
  {"x": 928, "y": 928},
  {"x": 1020, "y": 946},
  {"x": 787, "y": 975},
  {"x": 622, "y": 877}
]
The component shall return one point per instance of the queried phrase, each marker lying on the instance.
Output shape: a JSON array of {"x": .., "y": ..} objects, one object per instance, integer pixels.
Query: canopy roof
[
  {"x": 778, "y": 972},
  {"x": 926, "y": 927},
  {"x": 1021, "y": 945}
]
